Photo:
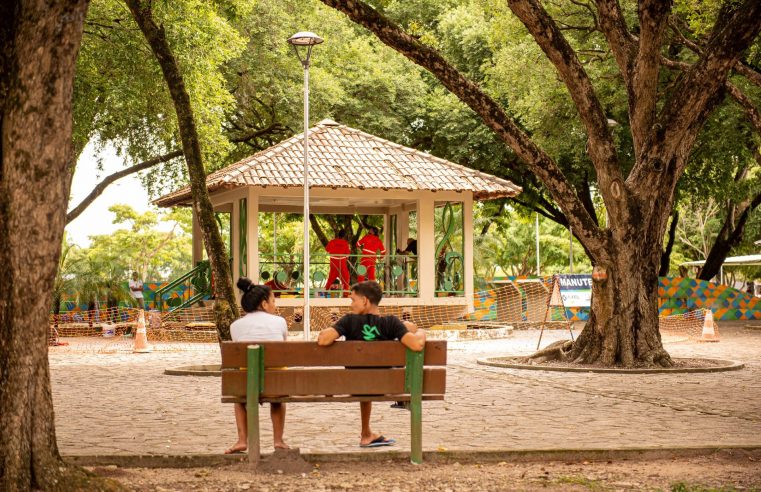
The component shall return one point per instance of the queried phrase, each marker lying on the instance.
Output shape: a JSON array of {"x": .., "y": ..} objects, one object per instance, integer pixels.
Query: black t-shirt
[{"x": 370, "y": 327}]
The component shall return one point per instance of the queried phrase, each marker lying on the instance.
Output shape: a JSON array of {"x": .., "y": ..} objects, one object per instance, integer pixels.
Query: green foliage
[
  {"x": 120, "y": 96},
  {"x": 509, "y": 246}
]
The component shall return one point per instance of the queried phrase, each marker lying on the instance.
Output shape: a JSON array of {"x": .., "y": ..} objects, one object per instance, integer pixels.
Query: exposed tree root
[
  {"x": 563, "y": 351},
  {"x": 555, "y": 351},
  {"x": 658, "y": 357}
]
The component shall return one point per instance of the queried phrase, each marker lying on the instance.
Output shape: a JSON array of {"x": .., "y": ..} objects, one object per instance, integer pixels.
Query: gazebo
[{"x": 353, "y": 172}]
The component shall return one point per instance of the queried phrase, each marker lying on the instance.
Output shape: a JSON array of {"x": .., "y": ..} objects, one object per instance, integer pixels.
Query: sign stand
[{"x": 554, "y": 299}]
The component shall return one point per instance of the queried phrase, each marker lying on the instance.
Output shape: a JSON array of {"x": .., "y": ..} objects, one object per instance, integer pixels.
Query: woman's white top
[{"x": 259, "y": 326}]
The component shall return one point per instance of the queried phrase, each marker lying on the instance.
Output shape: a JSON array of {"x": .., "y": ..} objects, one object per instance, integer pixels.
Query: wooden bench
[{"x": 250, "y": 375}]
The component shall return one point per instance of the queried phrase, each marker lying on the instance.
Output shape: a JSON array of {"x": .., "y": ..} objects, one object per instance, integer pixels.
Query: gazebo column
[
  {"x": 197, "y": 240},
  {"x": 402, "y": 228},
  {"x": 426, "y": 248},
  {"x": 401, "y": 232},
  {"x": 467, "y": 218},
  {"x": 235, "y": 242},
  {"x": 253, "y": 235}
]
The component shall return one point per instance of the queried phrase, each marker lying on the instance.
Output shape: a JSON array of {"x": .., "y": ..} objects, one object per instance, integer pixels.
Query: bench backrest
[{"x": 378, "y": 368}]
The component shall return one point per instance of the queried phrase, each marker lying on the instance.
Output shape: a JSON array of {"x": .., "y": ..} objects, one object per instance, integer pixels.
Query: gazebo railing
[{"x": 283, "y": 272}]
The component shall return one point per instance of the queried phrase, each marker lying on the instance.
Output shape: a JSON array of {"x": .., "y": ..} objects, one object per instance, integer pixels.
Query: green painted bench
[{"x": 380, "y": 371}]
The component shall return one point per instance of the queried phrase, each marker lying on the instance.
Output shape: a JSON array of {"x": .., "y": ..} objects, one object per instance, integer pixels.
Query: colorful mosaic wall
[{"x": 677, "y": 296}]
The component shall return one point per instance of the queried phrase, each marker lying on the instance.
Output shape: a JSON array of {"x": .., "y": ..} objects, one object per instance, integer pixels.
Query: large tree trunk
[
  {"x": 225, "y": 306},
  {"x": 39, "y": 43},
  {"x": 623, "y": 325}
]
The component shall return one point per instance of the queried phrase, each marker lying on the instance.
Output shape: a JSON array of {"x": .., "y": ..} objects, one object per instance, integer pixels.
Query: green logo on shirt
[{"x": 369, "y": 333}]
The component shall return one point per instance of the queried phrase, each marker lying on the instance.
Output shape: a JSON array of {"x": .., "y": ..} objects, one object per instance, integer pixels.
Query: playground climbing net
[{"x": 521, "y": 304}]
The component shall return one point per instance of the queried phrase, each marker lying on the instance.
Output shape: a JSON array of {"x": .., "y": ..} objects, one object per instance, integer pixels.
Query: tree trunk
[
  {"x": 225, "y": 306},
  {"x": 666, "y": 256},
  {"x": 39, "y": 43},
  {"x": 623, "y": 325}
]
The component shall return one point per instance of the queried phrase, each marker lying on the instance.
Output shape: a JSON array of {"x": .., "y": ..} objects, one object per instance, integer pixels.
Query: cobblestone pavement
[{"x": 122, "y": 403}]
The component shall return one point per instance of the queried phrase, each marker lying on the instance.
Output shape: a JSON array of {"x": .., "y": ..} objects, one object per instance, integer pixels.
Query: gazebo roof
[{"x": 343, "y": 157}]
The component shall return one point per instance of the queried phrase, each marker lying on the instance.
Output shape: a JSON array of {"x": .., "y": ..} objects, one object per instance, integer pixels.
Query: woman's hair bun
[{"x": 244, "y": 284}]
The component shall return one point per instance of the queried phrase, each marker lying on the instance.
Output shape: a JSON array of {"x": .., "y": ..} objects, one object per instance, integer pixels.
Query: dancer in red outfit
[
  {"x": 370, "y": 245},
  {"x": 338, "y": 249}
]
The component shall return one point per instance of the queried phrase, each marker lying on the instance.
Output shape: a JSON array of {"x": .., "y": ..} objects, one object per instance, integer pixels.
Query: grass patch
[
  {"x": 581, "y": 480},
  {"x": 689, "y": 487}
]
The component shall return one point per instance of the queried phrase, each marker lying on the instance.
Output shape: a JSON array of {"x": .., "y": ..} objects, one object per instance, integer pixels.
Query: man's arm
[
  {"x": 411, "y": 327},
  {"x": 414, "y": 341},
  {"x": 327, "y": 337}
]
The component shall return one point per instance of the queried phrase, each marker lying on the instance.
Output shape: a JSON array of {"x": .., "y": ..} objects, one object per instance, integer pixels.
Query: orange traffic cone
[
  {"x": 141, "y": 338},
  {"x": 710, "y": 330}
]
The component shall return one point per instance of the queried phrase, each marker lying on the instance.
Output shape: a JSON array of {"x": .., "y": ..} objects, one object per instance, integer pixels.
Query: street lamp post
[{"x": 303, "y": 42}]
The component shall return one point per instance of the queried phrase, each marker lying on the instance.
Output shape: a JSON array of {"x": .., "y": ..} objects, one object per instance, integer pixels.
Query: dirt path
[{"x": 721, "y": 471}]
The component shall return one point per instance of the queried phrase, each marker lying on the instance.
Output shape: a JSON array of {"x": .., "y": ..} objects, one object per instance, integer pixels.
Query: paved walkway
[{"x": 123, "y": 404}]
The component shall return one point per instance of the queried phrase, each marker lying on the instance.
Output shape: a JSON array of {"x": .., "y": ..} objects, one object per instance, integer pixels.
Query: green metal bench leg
[
  {"x": 254, "y": 388},
  {"x": 414, "y": 386}
]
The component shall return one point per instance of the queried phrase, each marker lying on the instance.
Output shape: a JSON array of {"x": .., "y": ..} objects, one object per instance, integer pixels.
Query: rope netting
[{"x": 522, "y": 304}]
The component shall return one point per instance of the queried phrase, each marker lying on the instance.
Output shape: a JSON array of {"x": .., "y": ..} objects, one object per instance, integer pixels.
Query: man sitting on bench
[{"x": 366, "y": 323}]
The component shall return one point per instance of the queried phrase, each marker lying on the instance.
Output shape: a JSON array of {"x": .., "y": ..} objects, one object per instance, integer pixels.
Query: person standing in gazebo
[
  {"x": 370, "y": 245},
  {"x": 338, "y": 248}
]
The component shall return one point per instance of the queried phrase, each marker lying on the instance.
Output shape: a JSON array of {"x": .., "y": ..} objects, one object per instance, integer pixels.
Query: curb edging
[
  {"x": 442, "y": 457},
  {"x": 729, "y": 365}
]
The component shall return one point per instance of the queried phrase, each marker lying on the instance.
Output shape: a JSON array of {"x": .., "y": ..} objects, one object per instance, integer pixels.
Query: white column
[
  {"x": 402, "y": 228},
  {"x": 253, "y": 235},
  {"x": 426, "y": 248},
  {"x": 387, "y": 232},
  {"x": 234, "y": 235},
  {"x": 467, "y": 216},
  {"x": 402, "y": 233},
  {"x": 197, "y": 240}
]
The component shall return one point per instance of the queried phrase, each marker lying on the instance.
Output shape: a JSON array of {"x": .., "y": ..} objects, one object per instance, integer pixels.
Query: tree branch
[
  {"x": 754, "y": 116},
  {"x": 549, "y": 38},
  {"x": 643, "y": 96},
  {"x": 317, "y": 228},
  {"x": 490, "y": 112},
  {"x": 693, "y": 98},
  {"x": 666, "y": 256},
  {"x": 741, "y": 68},
  {"x": 613, "y": 26},
  {"x": 101, "y": 187},
  {"x": 270, "y": 129}
]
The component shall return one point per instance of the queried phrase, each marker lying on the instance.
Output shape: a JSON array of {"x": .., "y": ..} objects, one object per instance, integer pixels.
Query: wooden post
[
  {"x": 413, "y": 379},
  {"x": 254, "y": 388}
]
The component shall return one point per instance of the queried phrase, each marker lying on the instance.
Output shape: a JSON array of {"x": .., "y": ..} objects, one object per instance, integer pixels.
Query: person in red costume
[
  {"x": 338, "y": 249},
  {"x": 370, "y": 245}
]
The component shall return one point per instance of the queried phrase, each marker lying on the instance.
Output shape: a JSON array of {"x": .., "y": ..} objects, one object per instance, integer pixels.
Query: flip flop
[
  {"x": 378, "y": 442},
  {"x": 235, "y": 451}
]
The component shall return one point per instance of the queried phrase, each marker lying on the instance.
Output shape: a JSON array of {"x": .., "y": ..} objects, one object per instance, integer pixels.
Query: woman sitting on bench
[{"x": 260, "y": 324}]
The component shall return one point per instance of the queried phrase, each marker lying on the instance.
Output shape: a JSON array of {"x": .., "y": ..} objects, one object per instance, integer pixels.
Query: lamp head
[{"x": 306, "y": 39}]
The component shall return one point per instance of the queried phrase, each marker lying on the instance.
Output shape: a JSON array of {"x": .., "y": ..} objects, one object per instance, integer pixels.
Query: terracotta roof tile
[{"x": 342, "y": 157}]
